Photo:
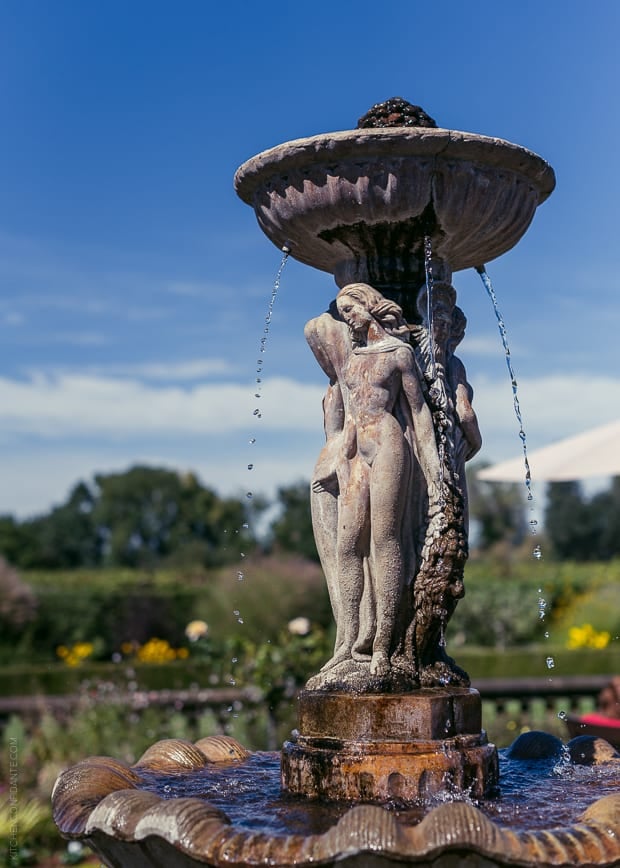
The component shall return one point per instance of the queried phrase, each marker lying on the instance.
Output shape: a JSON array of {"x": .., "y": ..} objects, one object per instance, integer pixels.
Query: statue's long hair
[{"x": 388, "y": 314}]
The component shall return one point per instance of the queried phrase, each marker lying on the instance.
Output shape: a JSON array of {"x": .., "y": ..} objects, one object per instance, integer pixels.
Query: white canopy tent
[{"x": 593, "y": 453}]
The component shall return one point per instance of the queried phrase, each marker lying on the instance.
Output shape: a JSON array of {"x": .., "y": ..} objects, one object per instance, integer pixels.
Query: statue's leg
[
  {"x": 389, "y": 470},
  {"x": 352, "y": 546}
]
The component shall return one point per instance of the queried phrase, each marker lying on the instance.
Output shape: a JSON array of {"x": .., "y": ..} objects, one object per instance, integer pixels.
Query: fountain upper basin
[{"x": 358, "y": 203}]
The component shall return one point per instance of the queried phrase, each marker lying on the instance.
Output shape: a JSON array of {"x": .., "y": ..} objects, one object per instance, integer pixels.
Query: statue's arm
[
  {"x": 424, "y": 430},
  {"x": 463, "y": 394},
  {"x": 328, "y": 339}
]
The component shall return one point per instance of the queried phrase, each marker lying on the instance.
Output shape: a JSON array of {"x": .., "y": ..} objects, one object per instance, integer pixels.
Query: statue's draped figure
[{"x": 388, "y": 490}]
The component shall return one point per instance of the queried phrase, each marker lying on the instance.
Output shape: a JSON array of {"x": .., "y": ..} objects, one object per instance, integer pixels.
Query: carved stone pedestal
[{"x": 381, "y": 747}]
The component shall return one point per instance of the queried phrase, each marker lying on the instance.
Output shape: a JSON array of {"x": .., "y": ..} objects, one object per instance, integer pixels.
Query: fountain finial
[{"x": 395, "y": 112}]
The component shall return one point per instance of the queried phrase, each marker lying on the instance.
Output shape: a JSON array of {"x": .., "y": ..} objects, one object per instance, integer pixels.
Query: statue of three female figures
[{"x": 389, "y": 503}]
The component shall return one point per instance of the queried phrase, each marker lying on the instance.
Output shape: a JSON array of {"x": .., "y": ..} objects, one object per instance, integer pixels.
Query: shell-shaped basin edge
[{"x": 99, "y": 801}]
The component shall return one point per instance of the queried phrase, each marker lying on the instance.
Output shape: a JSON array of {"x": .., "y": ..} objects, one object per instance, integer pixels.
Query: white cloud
[
  {"x": 552, "y": 407},
  {"x": 481, "y": 346},
  {"x": 73, "y": 404},
  {"x": 190, "y": 369},
  {"x": 80, "y": 425},
  {"x": 33, "y": 483}
]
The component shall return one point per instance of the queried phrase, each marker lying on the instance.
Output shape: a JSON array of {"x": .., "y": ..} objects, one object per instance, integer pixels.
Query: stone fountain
[{"x": 391, "y": 209}]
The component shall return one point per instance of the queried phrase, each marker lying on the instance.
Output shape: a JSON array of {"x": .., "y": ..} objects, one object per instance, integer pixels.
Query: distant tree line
[
  {"x": 148, "y": 517},
  {"x": 142, "y": 517},
  {"x": 576, "y": 527},
  {"x": 582, "y": 528}
]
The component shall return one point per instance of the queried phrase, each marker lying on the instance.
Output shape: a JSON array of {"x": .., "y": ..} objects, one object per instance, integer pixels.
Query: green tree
[
  {"x": 292, "y": 529},
  {"x": 582, "y": 529},
  {"x": 497, "y": 508},
  {"x": 570, "y": 522},
  {"x": 148, "y": 514},
  {"x": 606, "y": 507},
  {"x": 141, "y": 517},
  {"x": 67, "y": 536},
  {"x": 64, "y": 537},
  {"x": 16, "y": 539}
]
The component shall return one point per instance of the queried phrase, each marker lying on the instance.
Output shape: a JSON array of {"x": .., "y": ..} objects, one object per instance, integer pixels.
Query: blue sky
[{"x": 134, "y": 283}]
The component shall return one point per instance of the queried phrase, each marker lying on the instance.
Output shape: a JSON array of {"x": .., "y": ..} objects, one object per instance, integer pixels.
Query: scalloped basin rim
[
  {"x": 116, "y": 818},
  {"x": 395, "y": 141}
]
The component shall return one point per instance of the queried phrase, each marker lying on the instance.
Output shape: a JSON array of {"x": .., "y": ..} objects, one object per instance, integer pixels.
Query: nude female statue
[{"x": 382, "y": 468}]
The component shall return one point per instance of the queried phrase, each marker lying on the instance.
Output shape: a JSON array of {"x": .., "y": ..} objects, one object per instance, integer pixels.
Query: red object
[{"x": 595, "y": 724}]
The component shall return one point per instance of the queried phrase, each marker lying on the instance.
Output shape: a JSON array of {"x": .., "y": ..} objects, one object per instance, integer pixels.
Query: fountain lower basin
[{"x": 215, "y": 804}]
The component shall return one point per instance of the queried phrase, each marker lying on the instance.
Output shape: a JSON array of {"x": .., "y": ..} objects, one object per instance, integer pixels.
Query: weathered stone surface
[
  {"x": 388, "y": 494},
  {"x": 425, "y": 714},
  {"x": 375, "y": 748},
  {"x": 358, "y": 203}
]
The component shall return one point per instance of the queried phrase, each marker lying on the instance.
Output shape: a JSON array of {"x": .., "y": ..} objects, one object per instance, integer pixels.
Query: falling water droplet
[
  {"x": 250, "y": 466},
  {"x": 257, "y": 394},
  {"x": 542, "y": 608},
  {"x": 256, "y": 412},
  {"x": 533, "y": 525},
  {"x": 546, "y": 634},
  {"x": 234, "y": 660},
  {"x": 252, "y": 440},
  {"x": 249, "y": 495},
  {"x": 240, "y": 576},
  {"x": 241, "y": 554},
  {"x": 236, "y": 612},
  {"x": 537, "y": 553},
  {"x": 550, "y": 662},
  {"x": 562, "y": 715},
  {"x": 167, "y": 788},
  {"x": 245, "y": 525},
  {"x": 259, "y": 380}
]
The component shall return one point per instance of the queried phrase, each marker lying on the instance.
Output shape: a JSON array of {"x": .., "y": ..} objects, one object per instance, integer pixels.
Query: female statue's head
[
  {"x": 358, "y": 304},
  {"x": 443, "y": 300},
  {"x": 457, "y": 332}
]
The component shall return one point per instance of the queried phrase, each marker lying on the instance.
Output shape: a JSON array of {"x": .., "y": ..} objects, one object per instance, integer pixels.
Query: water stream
[
  {"x": 537, "y": 551},
  {"x": 257, "y": 413}
]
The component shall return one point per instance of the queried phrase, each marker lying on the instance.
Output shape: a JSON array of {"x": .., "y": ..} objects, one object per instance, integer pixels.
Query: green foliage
[
  {"x": 108, "y": 607},
  {"x": 502, "y": 608},
  {"x": 143, "y": 517},
  {"x": 582, "y": 529},
  {"x": 292, "y": 530},
  {"x": 497, "y": 508},
  {"x": 149, "y": 514}
]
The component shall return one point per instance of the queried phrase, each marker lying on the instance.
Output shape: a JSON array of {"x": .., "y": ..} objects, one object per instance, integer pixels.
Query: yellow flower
[
  {"x": 587, "y": 637},
  {"x": 82, "y": 650},
  {"x": 156, "y": 651},
  {"x": 182, "y": 653},
  {"x": 76, "y": 654}
]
